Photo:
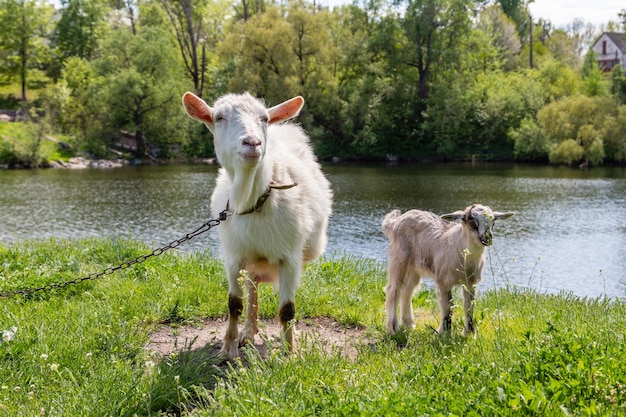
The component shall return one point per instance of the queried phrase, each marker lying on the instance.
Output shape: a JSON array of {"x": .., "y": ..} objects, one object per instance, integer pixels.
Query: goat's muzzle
[
  {"x": 486, "y": 239},
  {"x": 251, "y": 149}
]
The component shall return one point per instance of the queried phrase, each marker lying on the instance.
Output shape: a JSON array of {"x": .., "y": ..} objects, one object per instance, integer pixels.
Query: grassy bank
[
  {"x": 21, "y": 144},
  {"x": 79, "y": 350}
]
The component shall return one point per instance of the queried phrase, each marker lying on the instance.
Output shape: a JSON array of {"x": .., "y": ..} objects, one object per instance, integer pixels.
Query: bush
[
  {"x": 7, "y": 154},
  {"x": 530, "y": 141},
  {"x": 567, "y": 152},
  {"x": 589, "y": 128}
]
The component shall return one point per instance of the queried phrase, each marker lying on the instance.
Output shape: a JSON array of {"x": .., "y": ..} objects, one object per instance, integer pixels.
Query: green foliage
[
  {"x": 8, "y": 156},
  {"x": 578, "y": 127},
  {"x": 567, "y": 152},
  {"x": 590, "y": 63},
  {"x": 79, "y": 28},
  {"x": 530, "y": 141},
  {"x": 618, "y": 83},
  {"x": 432, "y": 29},
  {"x": 21, "y": 144},
  {"x": 558, "y": 80},
  {"x": 445, "y": 79},
  {"x": 502, "y": 35},
  {"x": 24, "y": 144},
  {"x": 614, "y": 135},
  {"x": 79, "y": 350},
  {"x": 140, "y": 85},
  {"x": 478, "y": 120},
  {"x": 565, "y": 48},
  {"x": 24, "y": 26},
  {"x": 595, "y": 84}
]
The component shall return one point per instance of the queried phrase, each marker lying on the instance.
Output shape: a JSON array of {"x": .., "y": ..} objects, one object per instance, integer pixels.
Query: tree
[
  {"x": 24, "y": 26},
  {"x": 618, "y": 83},
  {"x": 594, "y": 84},
  {"x": 260, "y": 52},
  {"x": 502, "y": 34},
  {"x": 75, "y": 112},
  {"x": 558, "y": 79},
  {"x": 517, "y": 10},
  {"x": 433, "y": 29},
  {"x": 197, "y": 27},
  {"x": 577, "y": 128},
  {"x": 141, "y": 85},
  {"x": 614, "y": 135},
  {"x": 567, "y": 152},
  {"x": 79, "y": 28},
  {"x": 530, "y": 141},
  {"x": 564, "y": 48},
  {"x": 248, "y": 8},
  {"x": 581, "y": 34}
]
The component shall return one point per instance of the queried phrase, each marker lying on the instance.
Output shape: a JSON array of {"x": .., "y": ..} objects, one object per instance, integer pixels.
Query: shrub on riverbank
[
  {"x": 22, "y": 146},
  {"x": 79, "y": 350}
]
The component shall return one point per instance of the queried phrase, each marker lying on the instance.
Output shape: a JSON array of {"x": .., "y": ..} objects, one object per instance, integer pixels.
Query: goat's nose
[
  {"x": 251, "y": 141},
  {"x": 486, "y": 239}
]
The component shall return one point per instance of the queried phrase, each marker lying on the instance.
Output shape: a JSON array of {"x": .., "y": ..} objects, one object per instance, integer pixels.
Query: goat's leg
[
  {"x": 395, "y": 286},
  {"x": 469, "y": 292},
  {"x": 391, "y": 306},
  {"x": 406, "y": 300},
  {"x": 289, "y": 277},
  {"x": 445, "y": 304},
  {"x": 251, "y": 328},
  {"x": 230, "y": 348}
]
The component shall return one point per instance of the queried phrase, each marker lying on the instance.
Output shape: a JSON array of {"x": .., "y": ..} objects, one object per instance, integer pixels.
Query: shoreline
[{"x": 79, "y": 162}]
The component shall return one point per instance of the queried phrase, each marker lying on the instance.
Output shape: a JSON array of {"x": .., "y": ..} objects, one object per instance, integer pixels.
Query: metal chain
[{"x": 124, "y": 265}]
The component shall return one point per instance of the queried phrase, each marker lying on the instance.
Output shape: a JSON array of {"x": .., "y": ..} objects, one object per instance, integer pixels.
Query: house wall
[{"x": 608, "y": 54}]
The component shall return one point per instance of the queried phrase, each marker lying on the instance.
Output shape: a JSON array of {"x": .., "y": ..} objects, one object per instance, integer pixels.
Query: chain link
[{"x": 124, "y": 265}]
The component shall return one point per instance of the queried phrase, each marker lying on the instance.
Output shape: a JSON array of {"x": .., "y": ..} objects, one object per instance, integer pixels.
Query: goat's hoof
[
  {"x": 245, "y": 340},
  {"x": 443, "y": 331},
  {"x": 229, "y": 351},
  {"x": 409, "y": 325},
  {"x": 469, "y": 333},
  {"x": 392, "y": 327},
  {"x": 289, "y": 348}
]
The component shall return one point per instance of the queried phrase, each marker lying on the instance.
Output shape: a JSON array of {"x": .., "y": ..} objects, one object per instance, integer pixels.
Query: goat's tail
[{"x": 389, "y": 219}]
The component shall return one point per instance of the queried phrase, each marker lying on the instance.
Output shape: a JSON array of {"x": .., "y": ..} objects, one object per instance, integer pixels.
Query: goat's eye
[
  {"x": 218, "y": 118},
  {"x": 473, "y": 224},
  {"x": 264, "y": 119}
]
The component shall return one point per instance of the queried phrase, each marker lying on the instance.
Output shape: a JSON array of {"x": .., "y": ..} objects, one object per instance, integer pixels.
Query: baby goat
[
  {"x": 424, "y": 244},
  {"x": 279, "y": 199}
]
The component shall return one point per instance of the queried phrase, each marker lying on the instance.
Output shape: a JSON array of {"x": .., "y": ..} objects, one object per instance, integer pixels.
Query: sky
[
  {"x": 559, "y": 12},
  {"x": 563, "y": 12}
]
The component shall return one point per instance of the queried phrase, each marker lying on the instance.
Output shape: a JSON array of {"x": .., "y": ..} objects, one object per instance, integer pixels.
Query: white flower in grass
[
  {"x": 54, "y": 367},
  {"x": 8, "y": 335}
]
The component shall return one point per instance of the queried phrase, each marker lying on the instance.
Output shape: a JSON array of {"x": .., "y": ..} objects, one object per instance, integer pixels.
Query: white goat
[
  {"x": 424, "y": 244},
  {"x": 270, "y": 236}
]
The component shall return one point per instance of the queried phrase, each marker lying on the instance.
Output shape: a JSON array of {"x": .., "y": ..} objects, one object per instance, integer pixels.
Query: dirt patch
[{"x": 322, "y": 331}]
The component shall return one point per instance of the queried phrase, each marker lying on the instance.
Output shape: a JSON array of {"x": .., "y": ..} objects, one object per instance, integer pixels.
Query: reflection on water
[{"x": 569, "y": 231}]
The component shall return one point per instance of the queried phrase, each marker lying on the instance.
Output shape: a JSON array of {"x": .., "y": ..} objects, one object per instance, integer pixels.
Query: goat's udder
[{"x": 263, "y": 271}]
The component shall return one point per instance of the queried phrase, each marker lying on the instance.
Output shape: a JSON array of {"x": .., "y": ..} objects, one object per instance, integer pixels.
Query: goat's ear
[
  {"x": 451, "y": 217},
  {"x": 286, "y": 110},
  {"x": 502, "y": 216},
  {"x": 197, "y": 109}
]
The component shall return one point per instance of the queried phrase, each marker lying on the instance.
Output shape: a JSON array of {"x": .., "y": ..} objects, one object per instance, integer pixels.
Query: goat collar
[{"x": 259, "y": 203}]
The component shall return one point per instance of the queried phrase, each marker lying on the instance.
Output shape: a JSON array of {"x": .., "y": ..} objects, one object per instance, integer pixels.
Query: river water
[{"x": 568, "y": 234}]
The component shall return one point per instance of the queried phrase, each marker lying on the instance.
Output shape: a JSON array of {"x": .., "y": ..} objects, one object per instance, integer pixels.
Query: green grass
[
  {"x": 17, "y": 140},
  {"x": 79, "y": 350}
]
